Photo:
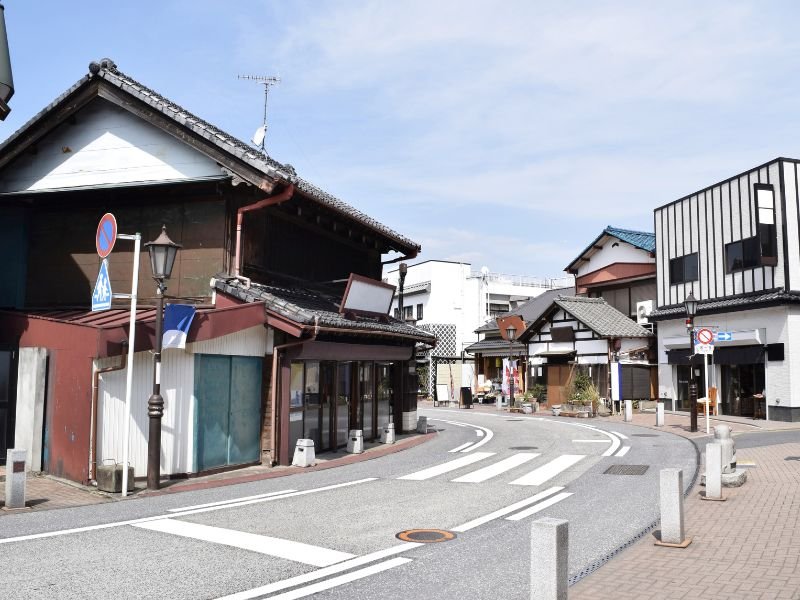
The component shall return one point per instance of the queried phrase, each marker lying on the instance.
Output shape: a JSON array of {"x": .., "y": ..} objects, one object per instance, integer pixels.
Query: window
[
  {"x": 767, "y": 238},
  {"x": 408, "y": 313},
  {"x": 743, "y": 254},
  {"x": 683, "y": 268},
  {"x": 396, "y": 313},
  {"x": 419, "y": 312}
]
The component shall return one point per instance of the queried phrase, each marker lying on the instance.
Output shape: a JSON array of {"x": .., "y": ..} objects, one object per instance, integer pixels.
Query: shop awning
[{"x": 733, "y": 355}]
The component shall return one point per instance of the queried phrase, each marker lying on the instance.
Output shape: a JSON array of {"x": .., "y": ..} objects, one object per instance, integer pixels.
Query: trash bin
[{"x": 466, "y": 397}]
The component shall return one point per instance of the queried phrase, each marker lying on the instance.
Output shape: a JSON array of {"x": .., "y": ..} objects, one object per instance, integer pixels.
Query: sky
[{"x": 506, "y": 135}]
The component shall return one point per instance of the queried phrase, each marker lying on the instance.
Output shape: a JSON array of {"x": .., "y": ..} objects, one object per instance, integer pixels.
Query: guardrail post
[{"x": 549, "y": 559}]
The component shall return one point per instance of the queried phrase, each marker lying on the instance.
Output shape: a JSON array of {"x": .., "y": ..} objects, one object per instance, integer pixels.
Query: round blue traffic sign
[{"x": 106, "y": 235}]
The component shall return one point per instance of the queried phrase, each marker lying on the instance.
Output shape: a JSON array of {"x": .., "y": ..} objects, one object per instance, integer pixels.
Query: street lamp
[
  {"x": 690, "y": 304},
  {"x": 403, "y": 270},
  {"x": 162, "y": 258},
  {"x": 511, "y": 331}
]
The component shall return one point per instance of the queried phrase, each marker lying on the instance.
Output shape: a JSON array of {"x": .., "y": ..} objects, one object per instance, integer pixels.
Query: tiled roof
[
  {"x": 601, "y": 317},
  {"x": 641, "y": 239},
  {"x": 315, "y": 305},
  {"x": 495, "y": 346},
  {"x": 107, "y": 70},
  {"x": 725, "y": 304},
  {"x": 530, "y": 311}
]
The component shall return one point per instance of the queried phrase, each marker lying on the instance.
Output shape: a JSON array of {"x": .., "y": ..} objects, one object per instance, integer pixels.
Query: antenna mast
[{"x": 261, "y": 133}]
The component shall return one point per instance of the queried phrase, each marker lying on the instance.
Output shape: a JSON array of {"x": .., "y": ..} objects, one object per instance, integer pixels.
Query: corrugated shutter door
[{"x": 635, "y": 382}]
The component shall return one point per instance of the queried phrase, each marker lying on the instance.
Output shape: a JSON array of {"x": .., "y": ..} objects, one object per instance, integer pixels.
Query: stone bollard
[
  {"x": 15, "y": 479},
  {"x": 549, "y": 559},
  {"x": 355, "y": 441},
  {"x": 714, "y": 471},
  {"x": 422, "y": 425},
  {"x": 498, "y": 403},
  {"x": 671, "y": 501},
  {"x": 387, "y": 434},
  {"x": 659, "y": 414},
  {"x": 304, "y": 454},
  {"x": 628, "y": 411},
  {"x": 722, "y": 435}
]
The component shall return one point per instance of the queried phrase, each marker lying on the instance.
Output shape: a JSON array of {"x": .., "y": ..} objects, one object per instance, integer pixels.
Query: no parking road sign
[
  {"x": 704, "y": 341},
  {"x": 106, "y": 235}
]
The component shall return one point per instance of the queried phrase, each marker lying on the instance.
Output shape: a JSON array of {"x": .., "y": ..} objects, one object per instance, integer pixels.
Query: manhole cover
[
  {"x": 524, "y": 448},
  {"x": 426, "y": 536},
  {"x": 626, "y": 470},
  {"x": 644, "y": 434},
  {"x": 792, "y": 458}
]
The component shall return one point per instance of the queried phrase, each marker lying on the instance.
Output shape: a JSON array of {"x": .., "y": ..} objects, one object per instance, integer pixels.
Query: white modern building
[
  {"x": 452, "y": 300},
  {"x": 735, "y": 246}
]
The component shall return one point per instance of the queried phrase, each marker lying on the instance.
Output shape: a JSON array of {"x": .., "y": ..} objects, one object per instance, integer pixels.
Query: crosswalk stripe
[
  {"x": 504, "y": 511},
  {"x": 264, "y": 544},
  {"x": 447, "y": 467},
  {"x": 548, "y": 471},
  {"x": 623, "y": 451},
  {"x": 497, "y": 468},
  {"x": 539, "y": 507}
]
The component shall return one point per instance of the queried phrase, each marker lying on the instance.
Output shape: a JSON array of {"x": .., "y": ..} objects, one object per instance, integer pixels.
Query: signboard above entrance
[{"x": 367, "y": 296}]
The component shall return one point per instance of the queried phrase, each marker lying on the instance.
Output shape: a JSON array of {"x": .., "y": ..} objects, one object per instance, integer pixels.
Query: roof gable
[
  {"x": 640, "y": 240},
  {"x": 596, "y": 314}
]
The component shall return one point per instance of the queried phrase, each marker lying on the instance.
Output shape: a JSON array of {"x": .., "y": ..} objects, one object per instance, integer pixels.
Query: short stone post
[
  {"x": 355, "y": 441},
  {"x": 422, "y": 424},
  {"x": 713, "y": 471},
  {"x": 498, "y": 403},
  {"x": 659, "y": 414},
  {"x": 15, "y": 479},
  {"x": 628, "y": 411},
  {"x": 549, "y": 559},
  {"x": 671, "y": 500},
  {"x": 387, "y": 434},
  {"x": 304, "y": 454}
]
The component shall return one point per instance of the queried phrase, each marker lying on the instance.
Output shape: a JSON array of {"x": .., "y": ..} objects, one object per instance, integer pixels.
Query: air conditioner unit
[{"x": 643, "y": 310}]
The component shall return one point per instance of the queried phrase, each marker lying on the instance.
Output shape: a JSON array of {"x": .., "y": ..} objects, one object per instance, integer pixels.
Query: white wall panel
[
  {"x": 248, "y": 342},
  {"x": 792, "y": 218},
  {"x": 591, "y": 347}
]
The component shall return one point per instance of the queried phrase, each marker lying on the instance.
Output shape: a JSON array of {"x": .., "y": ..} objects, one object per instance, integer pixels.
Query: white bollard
[
  {"x": 659, "y": 414},
  {"x": 304, "y": 455},
  {"x": 15, "y": 478},
  {"x": 714, "y": 471},
  {"x": 628, "y": 411},
  {"x": 422, "y": 424},
  {"x": 499, "y": 402},
  {"x": 549, "y": 559},
  {"x": 387, "y": 434},
  {"x": 355, "y": 441},
  {"x": 671, "y": 501}
]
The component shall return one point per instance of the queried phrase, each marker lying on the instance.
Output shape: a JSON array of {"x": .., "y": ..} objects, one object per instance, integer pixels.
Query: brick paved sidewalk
[
  {"x": 747, "y": 547},
  {"x": 43, "y": 493}
]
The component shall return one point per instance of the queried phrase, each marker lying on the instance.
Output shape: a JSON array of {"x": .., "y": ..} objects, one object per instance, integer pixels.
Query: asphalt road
[{"x": 332, "y": 534}]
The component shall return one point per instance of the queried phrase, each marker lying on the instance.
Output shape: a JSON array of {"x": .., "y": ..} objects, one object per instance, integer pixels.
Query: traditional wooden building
[{"x": 280, "y": 271}]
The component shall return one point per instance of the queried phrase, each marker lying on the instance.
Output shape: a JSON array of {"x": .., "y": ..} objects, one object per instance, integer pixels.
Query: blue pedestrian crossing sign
[{"x": 101, "y": 297}]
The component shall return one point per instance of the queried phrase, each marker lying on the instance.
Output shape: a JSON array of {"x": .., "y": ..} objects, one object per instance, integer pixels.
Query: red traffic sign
[
  {"x": 705, "y": 336},
  {"x": 106, "y": 235}
]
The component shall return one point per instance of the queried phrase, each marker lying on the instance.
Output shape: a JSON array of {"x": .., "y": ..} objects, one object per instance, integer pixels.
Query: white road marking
[
  {"x": 548, "y": 471},
  {"x": 263, "y": 544},
  {"x": 321, "y": 573},
  {"x": 497, "y": 468},
  {"x": 447, "y": 467},
  {"x": 48, "y": 534},
  {"x": 234, "y": 500},
  {"x": 341, "y": 580},
  {"x": 623, "y": 451},
  {"x": 461, "y": 447},
  {"x": 489, "y": 433},
  {"x": 460, "y": 412},
  {"x": 539, "y": 507},
  {"x": 618, "y": 434},
  {"x": 592, "y": 441},
  {"x": 505, "y": 511},
  {"x": 479, "y": 433}
]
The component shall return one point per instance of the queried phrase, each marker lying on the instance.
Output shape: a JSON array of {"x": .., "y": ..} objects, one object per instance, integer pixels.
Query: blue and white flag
[{"x": 177, "y": 320}]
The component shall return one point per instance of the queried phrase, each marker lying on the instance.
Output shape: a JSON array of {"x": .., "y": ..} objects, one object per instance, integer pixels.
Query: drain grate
[
  {"x": 524, "y": 448},
  {"x": 645, "y": 434},
  {"x": 626, "y": 470}
]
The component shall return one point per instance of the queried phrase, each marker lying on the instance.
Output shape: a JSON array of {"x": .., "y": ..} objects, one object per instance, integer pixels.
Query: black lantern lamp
[
  {"x": 511, "y": 332},
  {"x": 690, "y": 304},
  {"x": 400, "y": 308},
  {"x": 162, "y": 258}
]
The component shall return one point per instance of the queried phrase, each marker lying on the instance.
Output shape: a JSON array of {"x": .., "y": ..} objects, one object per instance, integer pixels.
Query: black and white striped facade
[{"x": 736, "y": 247}]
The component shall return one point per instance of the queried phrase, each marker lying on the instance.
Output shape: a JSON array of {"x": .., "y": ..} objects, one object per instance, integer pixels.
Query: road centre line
[
  {"x": 505, "y": 511},
  {"x": 461, "y": 447},
  {"x": 342, "y": 579},
  {"x": 221, "y": 502},
  {"x": 321, "y": 573},
  {"x": 592, "y": 441},
  {"x": 615, "y": 443},
  {"x": 623, "y": 451},
  {"x": 618, "y": 434},
  {"x": 549, "y": 470},
  {"x": 447, "y": 467},
  {"x": 489, "y": 433},
  {"x": 48, "y": 534},
  {"x": 461, "y": 412},
  {"x": 497, "y": 468},
  {"x": 539, "y": 507},
  {"x": 308, "y": 554}
]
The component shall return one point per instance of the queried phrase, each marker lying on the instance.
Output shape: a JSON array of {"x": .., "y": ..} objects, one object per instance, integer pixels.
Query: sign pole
[
  {"x": 137, "y": 241},
  {"x": 705, "y": 366}
]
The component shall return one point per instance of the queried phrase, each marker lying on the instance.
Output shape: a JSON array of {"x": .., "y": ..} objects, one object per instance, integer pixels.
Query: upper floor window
[
  {"x": 768, "y": 241},
  {"x": 683, "y": 268},
  {"x": 397, "y": 313},
  {"x": 408, "y": 313},
  {"x": 744, "y": 254},
  {"x": 419, "y": 312}
]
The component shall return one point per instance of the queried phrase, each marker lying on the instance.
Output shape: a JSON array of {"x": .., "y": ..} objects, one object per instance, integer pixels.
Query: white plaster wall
[
  {"x": 623, "y": 253},
  {"x": 107, "y": 145}
]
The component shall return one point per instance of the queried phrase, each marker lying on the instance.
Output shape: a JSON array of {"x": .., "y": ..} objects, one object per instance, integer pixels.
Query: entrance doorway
[
  {"x": 8, "y": 400},
  {"x": 557, "y": 384},
  {"x": 684, "y": 376},
  {"x": 742, "y": 390}
]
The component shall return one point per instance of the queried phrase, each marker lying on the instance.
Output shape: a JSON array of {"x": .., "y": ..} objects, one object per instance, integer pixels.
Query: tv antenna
[{"x": 261, "y": 133}]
